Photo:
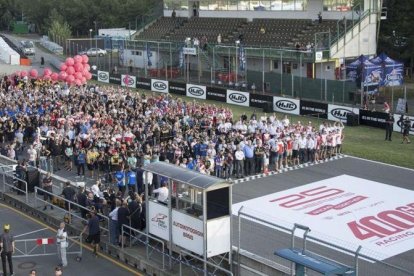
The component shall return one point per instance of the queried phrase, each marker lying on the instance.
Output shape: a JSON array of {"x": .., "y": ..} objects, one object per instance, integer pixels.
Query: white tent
[{"x": 7, "y": 54}]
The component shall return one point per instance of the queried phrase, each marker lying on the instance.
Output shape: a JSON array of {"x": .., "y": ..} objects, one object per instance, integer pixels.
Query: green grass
[{"x": 361, "y": 141}]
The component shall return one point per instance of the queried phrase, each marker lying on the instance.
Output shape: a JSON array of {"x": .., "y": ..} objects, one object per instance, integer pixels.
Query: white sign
[
  {"x": 103, "y": 76},
  {"x": 196, "y": 91},
  {"x": 238, "y": 98},
  {"x": 159, "y": 86},
  {"x": 128, "y": 81},
  {"x": 285, "y": 105},
  {"x": 189, "y": 51},
  {"x": 187, "y": 232},
  {"x": 158, "y": 220},
  {"x": 318, "y": 56},
  {"x": 337, "y": 112},
  {"x": 344, "y": 210},
  {"x": 218, "y": 236},
  {"x": 399, "y": 125}
]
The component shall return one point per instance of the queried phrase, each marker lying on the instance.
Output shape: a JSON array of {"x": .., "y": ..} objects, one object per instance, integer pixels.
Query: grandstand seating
[{"x": 279, "y": 33}]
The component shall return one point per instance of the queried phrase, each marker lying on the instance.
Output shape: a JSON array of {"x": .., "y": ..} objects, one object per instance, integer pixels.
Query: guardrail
[
  {"x": 70, "y": 205},
  {"x": 184, "y": 253},
  {"x": 9, "y": 174},
  {"x": 133, "y": 238}
]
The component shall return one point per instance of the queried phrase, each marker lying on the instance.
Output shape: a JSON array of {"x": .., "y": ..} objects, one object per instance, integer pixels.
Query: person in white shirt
[
  {"x": 239, "y": 158},
  {"x": 32, "y": 153},
  {"x": 95, "y": 189},
  {"x": 113, "y": 215},
  {"x": 162, "y": 192},
  {"x": 62, "y": 244}
]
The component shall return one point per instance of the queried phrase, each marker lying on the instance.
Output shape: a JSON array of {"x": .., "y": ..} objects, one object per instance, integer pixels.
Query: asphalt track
[
  {"x": 263, "y": 240},
  {"x": 25, "y": 227}
]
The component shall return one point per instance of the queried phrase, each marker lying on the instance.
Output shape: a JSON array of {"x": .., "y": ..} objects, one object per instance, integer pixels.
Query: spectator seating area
[{"x": 259, "y": 32}]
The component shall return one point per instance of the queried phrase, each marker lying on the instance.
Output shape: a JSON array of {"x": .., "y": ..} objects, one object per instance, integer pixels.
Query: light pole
[
  {"x": 90, "y": 38},
  {"x": 237, "y": 67},
  {"x": 96, "y": 43}
]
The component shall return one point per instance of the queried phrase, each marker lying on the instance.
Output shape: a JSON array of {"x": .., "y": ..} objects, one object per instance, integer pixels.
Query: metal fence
[{"x": 277, "y": 234}]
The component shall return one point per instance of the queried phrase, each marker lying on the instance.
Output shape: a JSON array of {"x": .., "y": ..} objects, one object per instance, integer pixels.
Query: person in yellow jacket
[{"x": 91, "y": 161}]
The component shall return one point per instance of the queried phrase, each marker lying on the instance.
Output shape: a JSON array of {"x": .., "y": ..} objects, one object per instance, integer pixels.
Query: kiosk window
[
  {"x": 188, "y": 199},
  {"x": 218, "y": 203}
]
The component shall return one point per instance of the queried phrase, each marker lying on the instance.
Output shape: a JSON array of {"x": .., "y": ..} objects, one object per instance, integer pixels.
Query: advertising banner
[
  {"x": 372, "y": 118},
  {"x": 159, "y": 224},
  {"x": 187, "y": 232},
  {"x": 115, "y": 79},
  {"x": 285, "y": 105},
  {"x": 399, "y": 123},
  {"x": 314, "y": 109},
  {"x": 216, "y": 94},
  {"x": 103, "y": 76},
  {"x": 196, "y": 91},
  {"x": 144, "y": 83},
  {"x": 238, "y": 97},
  {"x": 159, "y": 86},
  {"x": 344, "y": 210},
  {"x": 129, "y": 81},
  {"x": 393, "y": 75},
  {"x": 260, "y": 101},
  {"x": 190, "y": 51},
  {"x": 337, "y": 112},
  {"x": 177, "y": 88}
]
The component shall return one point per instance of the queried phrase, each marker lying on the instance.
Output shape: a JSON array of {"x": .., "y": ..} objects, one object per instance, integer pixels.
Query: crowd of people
[{"x": 111, "y": 132}]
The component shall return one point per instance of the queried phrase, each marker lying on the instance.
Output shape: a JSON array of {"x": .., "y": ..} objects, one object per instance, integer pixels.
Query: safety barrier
[
  {"x": 135, "y": 236},
  {"x": 183, "y": 260},
  {"x": 10, "y": 180},
  {"x": 46, "y": 247},
  {"x": 70, "y": 210}
]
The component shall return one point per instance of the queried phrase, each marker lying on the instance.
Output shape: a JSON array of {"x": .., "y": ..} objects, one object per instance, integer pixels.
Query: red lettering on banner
[
  {"x": 386, "y": 223},
  {"x": 338, "y": 206},
  {"x": 307, "y": 194}
]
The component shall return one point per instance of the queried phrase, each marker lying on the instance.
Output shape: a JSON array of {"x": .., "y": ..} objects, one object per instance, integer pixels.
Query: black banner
[
  {"x": 260, "y": 101},
  {"x": 216, "y": 94},
  {"x": 372, "y": 118},
  {"x": 314, "y": 109},
  {"x": 177, "y": 88},
  {"x": 144, "y": 83},
  {"x": 115, "y": 79},
  {"x": 94, "y": 74}
]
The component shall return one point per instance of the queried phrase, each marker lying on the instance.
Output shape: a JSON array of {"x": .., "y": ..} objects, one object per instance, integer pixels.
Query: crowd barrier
[{"x": 270, "y": 103}]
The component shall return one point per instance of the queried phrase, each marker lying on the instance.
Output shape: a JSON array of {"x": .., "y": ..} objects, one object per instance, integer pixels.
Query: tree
[{"x": 59, "y": 31}]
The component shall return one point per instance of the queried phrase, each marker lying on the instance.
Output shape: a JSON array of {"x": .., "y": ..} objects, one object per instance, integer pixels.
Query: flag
[
  {"x": 181, "y": 57},
  {"x": 242, "y": 57},
  {"x": 149, "y": 54}
]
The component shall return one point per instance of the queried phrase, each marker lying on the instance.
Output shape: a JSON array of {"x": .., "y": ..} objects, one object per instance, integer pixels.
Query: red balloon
[
  {"x": 70, "y": 61},
  {"x": 70, "y": 70},
  {"x": 47, "y": 72},
  {"x": 63, "y": 67},
  {"x": 87, "y": 66},
  {"x": 54, "y": 76},
  {"x": 78, "y": 59},
  {"x": 70, "y": 79},
  {"x": 85, "y": 59},
  {"x": 47, "y": 78},
  {"x": 89, "y": 76},
  {"x": 83, "y": 80},
  {"x": 78, "y": 75},
  {"x": 33, "y": 73},
  {"x": 23, "y": 74},
  {"x": 18, "y": 73},
  {"x": 63, "y": 75},
  {"x": 78, "y": 82},
  {"x": 78, "y": 67}
]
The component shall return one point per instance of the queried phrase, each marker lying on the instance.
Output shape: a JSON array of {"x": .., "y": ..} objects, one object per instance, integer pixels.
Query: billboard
[
  {"x": 238, "y": 98},
  {"x": 159, "y": 224},
  {"x": 129, "y": 81},
  {"x": 187, "y": 232},
  {"x": 337, "y": 112},
  {"x": 344, "y": 210},
  {"x": 196, "y": 91},
  {"x": 103, "y": 76},
  {"x": 285, "y": 105},
  {"x": 159, "y": 86}
]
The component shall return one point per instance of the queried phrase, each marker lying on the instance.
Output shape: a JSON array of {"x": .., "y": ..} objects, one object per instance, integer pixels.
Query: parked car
[
  {"x": 28, "y": 47},
  {"x": 93, "y": 52}
]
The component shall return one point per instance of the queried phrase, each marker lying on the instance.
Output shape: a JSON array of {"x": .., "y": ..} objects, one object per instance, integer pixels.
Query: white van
[{"x": 28, "y": 47}]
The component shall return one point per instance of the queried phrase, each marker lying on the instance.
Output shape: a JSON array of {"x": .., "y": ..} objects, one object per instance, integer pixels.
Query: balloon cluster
[{"x": 75, "y": 70}]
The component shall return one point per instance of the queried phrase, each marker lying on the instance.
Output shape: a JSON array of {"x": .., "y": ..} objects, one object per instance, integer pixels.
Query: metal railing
[
  {"x": 70, "y": 210},
  {"x": 9, "y": 174},
  {"x": 183, "y": 260},
  {"x": 134, "y": 233},
  {"x": 30, "y": 248}
]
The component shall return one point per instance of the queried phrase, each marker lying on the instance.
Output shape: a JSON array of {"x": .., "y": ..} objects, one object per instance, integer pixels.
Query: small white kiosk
[{"x": 197, "y": 215}]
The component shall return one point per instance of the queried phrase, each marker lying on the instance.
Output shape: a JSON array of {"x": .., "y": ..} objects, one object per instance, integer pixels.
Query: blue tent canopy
[
  {"x": 392, "y": 71},
  {"x": 364, "y": 72}
]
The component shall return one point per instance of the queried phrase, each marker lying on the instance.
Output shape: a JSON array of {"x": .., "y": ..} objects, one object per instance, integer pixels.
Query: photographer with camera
[{"x": 406, "y": 126}]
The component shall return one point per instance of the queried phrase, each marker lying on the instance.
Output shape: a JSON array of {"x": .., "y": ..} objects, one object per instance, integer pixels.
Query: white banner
[
  {"x": 196, "y": 91},
  {"x": 218, "y": 236},
  {"x": 284, "y": 105},
  {"x": 238, "y": 97},
  {"x": 187, "y": 232},
  {"x": 103, "y": 76},
  {"x": 399, "y": 124},
  {"x": 190, "y": 51},
  {"x": 128, "y": 81},
  {"x": 337, "y": 112},
  {"x": 159, "y": 86},
  {"x": 344, "y": 210},
  {"x": 158, "y": 220}
]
